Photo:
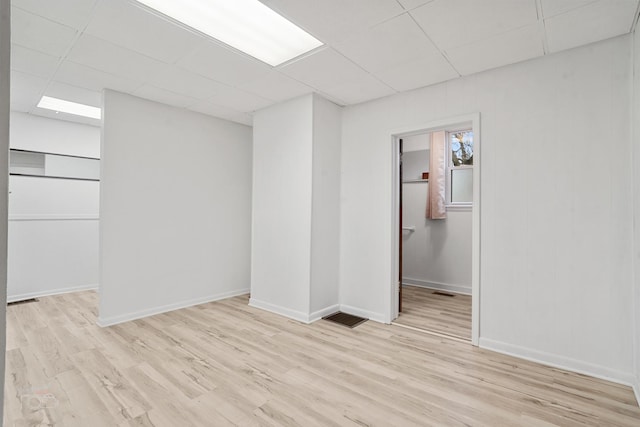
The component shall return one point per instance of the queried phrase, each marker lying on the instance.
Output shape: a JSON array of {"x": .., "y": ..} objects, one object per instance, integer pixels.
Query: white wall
[
  {"x": 53, "y": 223},
  {"x": 635, "y": 159},
  {"x": 556, "y": 209},
  {"x": 416, "y": 143},
  {"x": 53, "y": 236},
  {"x": 296, "y": 199},
  {"x": 29, "y": 132},
  {"x": 282, "y": 180},
  {"x": 438, "y": 253},
  {"x": 5, "y": 59},
  {"x": 325, "y": 224},
  {"x": 175, "y": 208}
]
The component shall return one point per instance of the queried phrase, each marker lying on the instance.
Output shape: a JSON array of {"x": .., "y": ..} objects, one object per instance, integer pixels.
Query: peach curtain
[{"x": 437, "y": 179}]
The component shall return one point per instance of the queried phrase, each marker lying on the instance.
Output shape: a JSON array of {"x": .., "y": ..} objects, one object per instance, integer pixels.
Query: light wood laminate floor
[
  {"x": 449, "y": 315},
  {"x": 225, "y": 363}
]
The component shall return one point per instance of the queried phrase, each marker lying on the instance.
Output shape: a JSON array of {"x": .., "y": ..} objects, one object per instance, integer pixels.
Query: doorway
[{"x": 436, "y": 254}]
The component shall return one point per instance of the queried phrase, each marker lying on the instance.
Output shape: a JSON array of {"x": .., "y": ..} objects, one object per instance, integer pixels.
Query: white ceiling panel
[
  {"x": 412, "y": 4},
  {"x": 452, "y": 23},
  {"x": 555, "y": 7},
  {"x": 415, "y": 74},
  {"x": 164, "y": 96},
  {"x": 211, "y": 109},
  {"x": 74, "y": 94},
  {"x": 507, "y": 48},
  {"x": 591, "y": 23},
  {"x": 324, "y": 70},
  {"x": 276, "y": 87},
  {"x": 64, "y": 116},
  {"x": 37, "y": 33},
  {"x": 33, "y": 62},
  {"x": 127, "y": 24},
  {"x": 222, "y": 64},
  {"x": 393, "y": 42},
  {"x": 89, "y": 78},
  {"x": 20, "y": 107},
  {"x": 26, "y": 88},
  {"x": 238, "y": 100},
  {"x": 73, "y": 13},
  {"x": 73, "y": 49},
  {"x": 332, "y": 21},
  {"x": 102, "y": 55},
  {"x": 363, "y": 88},
  {"x": 185, "y": 82}
]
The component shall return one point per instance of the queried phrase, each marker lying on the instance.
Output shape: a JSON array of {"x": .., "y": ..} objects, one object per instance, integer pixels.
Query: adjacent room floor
[
  {"x": 226, "y": 363},
  {"x": 435, "y": 311}
]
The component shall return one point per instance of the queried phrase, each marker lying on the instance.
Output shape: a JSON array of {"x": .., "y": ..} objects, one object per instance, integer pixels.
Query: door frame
[{"x": 395, "y": 136}]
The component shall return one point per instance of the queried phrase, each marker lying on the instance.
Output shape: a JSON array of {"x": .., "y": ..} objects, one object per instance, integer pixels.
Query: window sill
[{"x": 459, "y": 208}]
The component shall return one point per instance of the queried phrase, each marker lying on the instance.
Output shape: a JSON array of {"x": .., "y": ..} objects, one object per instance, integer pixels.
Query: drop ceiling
[{"x": 73, "y": 49}]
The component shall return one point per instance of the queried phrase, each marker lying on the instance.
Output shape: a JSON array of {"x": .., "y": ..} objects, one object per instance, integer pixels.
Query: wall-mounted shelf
[{"x": 412, "y": 181}]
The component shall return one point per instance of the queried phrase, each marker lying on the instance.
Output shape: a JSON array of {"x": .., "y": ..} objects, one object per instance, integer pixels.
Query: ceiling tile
[
  {"x": 363, "y": 88},
  {"x": 452, "y": 23},
  {"x": 591, "y": 23},
  {"x": 276, "y": 87},
  {"x": 89, "y": 78},
  {"x": 164, "y": 96},
  {"x": 555, "y": 7},
  {"x": 393, "y": 42},
  {"x": 412, "y": 4},
  {"x": 127, "y": 24},
  {"x": 185, "y": 82},
  {"x": 74, "y": 94},
  {"x": 26, "y": 89},
  {"x": 238, "y": 100},
  {"x": 222, "y": 64},
  {"x": 37, "y": 33},
  {"x": 73, "y": 13},
  {"x": 324, "y": 70},
  {"x": 507, "y": 48},
  {"x": 332, "y": 21},
  {"x": 33, "y": 62},
  {"x": 21, "y": 107},
  {"x": 102, "y": 55},
  {"x": 211, "y": 109},
  {"x": 419, "y": 73},
  {"x": 65, "y": 116}
]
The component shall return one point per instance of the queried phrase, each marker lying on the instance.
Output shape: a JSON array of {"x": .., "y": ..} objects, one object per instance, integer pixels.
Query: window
[{"x": 460, "y": 168}]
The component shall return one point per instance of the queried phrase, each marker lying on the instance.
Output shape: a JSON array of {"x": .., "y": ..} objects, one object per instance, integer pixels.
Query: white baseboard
[
  {"x": 283, "y": 311},
  {"x": 458, "y": 289},
  {"x": 114, "y": 320},
  {"x": 636, "y": 390},
  {"x": 377, "y": 317},
  {"x": 21, "y": 297},
  {"x": 561, "y": 362},
  {"x": 317, "y": 315}
]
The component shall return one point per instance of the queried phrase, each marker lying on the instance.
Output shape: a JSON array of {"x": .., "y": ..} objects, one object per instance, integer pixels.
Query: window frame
[{"x": 449, "y": 204}]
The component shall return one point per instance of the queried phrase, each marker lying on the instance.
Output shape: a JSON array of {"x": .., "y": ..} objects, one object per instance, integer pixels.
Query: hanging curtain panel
[{"x": 437, "y": 177}]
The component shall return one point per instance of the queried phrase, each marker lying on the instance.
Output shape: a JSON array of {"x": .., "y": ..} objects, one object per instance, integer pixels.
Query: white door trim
[{"x": 474, "y": 119}]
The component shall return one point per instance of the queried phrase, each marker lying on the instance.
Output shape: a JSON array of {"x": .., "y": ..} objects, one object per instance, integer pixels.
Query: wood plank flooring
[
  {"x": 226, "y": 363},
  {"x": 423, "y": 309}
]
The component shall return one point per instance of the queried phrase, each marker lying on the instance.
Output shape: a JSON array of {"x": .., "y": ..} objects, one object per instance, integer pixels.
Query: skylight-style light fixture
[
  {"x": 246, "y": 25},
  {"x": 62, "y": 106}
]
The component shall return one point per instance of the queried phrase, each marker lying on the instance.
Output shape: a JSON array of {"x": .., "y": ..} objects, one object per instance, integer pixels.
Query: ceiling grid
[{"x": 372, "y": 48}]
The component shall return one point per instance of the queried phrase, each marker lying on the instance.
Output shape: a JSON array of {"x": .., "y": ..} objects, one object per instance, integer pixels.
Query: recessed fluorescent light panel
[
  {"x": 246, "y": 25},
  {"x": 62, "y": 106}
]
